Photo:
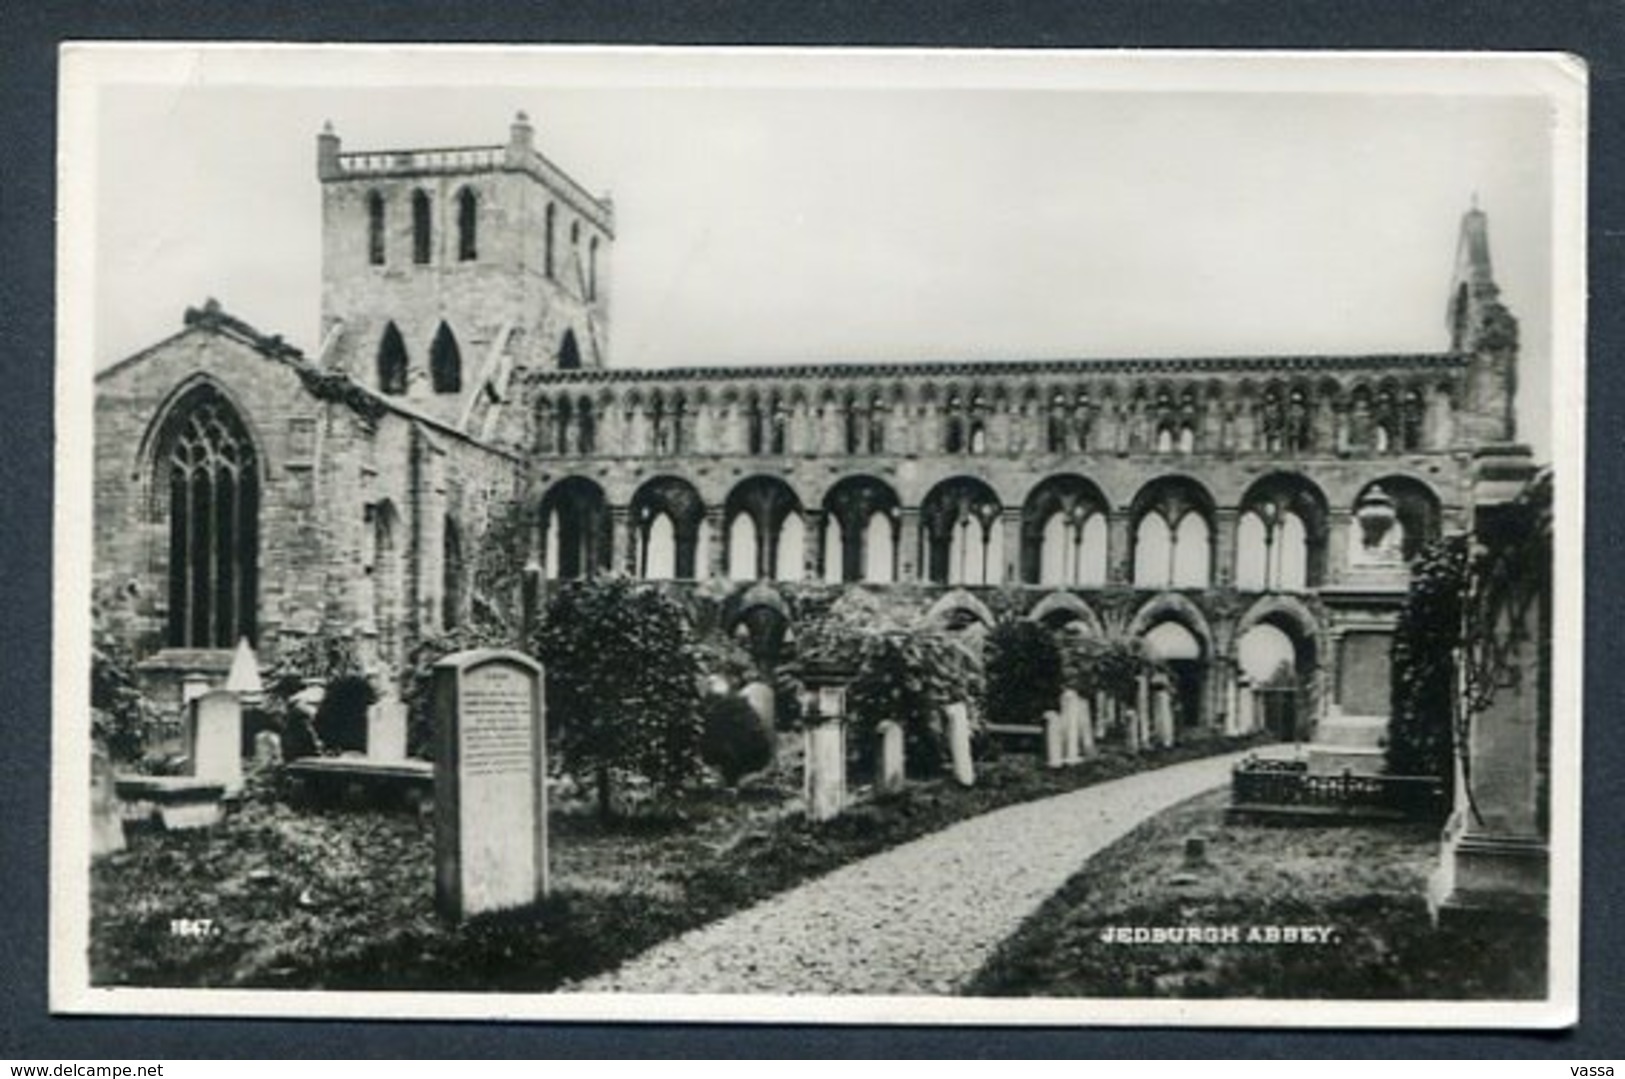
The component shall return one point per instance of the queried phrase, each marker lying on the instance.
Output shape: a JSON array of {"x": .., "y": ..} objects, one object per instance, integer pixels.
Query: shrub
[
  {"x": 623, "y": 684},
  {"x": 119, "y": 714},
  {"x": 341, "y": 718},
  {"x": 736, "y": 742},
  {"x": 911, "y": 676},
  {"x": 1023, "y": 673},
  {"x": 417, "y": 690}
]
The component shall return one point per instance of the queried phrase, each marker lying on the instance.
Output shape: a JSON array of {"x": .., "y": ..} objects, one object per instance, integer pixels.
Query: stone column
[
  {"x": 716, "y": 547},
  {"x": 1009, "y": 570},
  {"x": 825, "y": 770},
  {"x": 1119, "y": 548},
  {"x": 1086, "y": 727},
  {"x": 1494, "y": 864},
  {"x": 812, "y": 531},
  {"x": 910, "y": 565},
  {"x": 620, "y": 540},
  {"x": 1142, "y": 711},
  {"x": 1339, "y": 529},
  {"x": 1224, "y": 554}
]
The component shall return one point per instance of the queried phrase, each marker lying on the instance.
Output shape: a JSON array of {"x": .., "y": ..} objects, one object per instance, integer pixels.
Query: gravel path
[{"x": 919, "y": 918}]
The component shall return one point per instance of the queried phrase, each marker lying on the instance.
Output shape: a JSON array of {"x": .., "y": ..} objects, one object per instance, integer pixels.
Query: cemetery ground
[
  {"x": 1368, "y": 881},
  {"x": 343, "y": 898}
]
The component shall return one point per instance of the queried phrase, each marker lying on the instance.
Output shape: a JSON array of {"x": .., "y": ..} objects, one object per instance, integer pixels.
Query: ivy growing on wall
[{"x": 1422, "y": 730}]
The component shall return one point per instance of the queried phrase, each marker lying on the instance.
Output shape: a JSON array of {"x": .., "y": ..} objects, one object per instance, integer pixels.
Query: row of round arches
[{"x": 1062, "y": 534}]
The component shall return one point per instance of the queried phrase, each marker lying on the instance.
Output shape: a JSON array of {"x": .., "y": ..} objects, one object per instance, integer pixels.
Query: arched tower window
[
  {"x": 467, "y": 221},
  {"x": 446, "y": 361},
  {"x": 569, "y": 353},
  {"x": 375, "y": 228},
  {"x": 420, "y": 227},
  {"x": 592, "y": 269},
  {"x": 392, "y": 363},
  {"x": 209, "y": 466},
  {"x": 549, "y": 227}
]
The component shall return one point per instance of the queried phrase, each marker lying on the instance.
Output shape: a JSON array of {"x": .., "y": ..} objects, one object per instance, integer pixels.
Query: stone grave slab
[{"x": 490, "y": 776}]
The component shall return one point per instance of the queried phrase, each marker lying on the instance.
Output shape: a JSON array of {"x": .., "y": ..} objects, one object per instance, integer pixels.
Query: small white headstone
[
  {"x": 215, "y": 738},
  {"x": 267, "y": 749},
  {"x": 1082, "y": 726},
  {"x": 490, "y": 783},
  {"x": 959, "y": 743},
  {"x": 1054, "y": 739},
  {"x": 760, "y": 696},
  {"x": 1162, "y": 706},
  {"x": 106, "y": 827},
  {"x": 1131, "y": 730},
  {"x": 891, "y": 776},
  {"x": 1244, "y": 706},
  {"x": 826, "y": 770},
  {"x": 386, "y": 730}
]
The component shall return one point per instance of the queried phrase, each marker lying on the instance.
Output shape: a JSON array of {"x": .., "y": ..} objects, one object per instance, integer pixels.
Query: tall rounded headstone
[
  {"x": 490, "y": 776},
  {"x": 891, "y": 774},
  {"x": 1054, "y": 739},
  {"x": 214, "y": 738},
  {"x": 959, "y": 743}
]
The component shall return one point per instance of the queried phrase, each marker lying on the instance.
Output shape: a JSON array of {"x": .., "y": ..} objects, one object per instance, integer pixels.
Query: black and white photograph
[{"x": 831, "y": 535}]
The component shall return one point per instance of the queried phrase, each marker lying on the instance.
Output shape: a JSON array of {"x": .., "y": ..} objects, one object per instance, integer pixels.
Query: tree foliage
[
  {"x": 1023, "y": 673},
  {"x": 1426, "y": 639},
  {"x": 119, "y": 714},
  {"x": 1110, "y": 665},
  {"x": 623, "y": 684}
]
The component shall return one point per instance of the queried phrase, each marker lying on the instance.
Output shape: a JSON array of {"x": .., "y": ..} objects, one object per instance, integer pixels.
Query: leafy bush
[
  {"x": 911, "y": 676},
  {"x": 623, "y": 684},
  {"x": 417, "y": 690},
  {"x": 1023, "y": 673},
  {"x": 736, "y": 742},
  {"x": 1426, "y": 637},
  {"x": 341, "y": 718},
  {"x": 119, "y": 714}
]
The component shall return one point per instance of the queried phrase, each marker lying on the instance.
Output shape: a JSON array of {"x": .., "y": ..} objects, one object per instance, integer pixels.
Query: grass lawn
[
  {"x": 1367, "y": 882},
  {"x": 340, "y": 899}
]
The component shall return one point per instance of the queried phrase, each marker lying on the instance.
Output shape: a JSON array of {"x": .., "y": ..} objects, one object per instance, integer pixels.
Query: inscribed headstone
[
  {"x": 214, "y": 739},
  {"x": 959, "y": 743},
  {"x": 490, "y": 783}
]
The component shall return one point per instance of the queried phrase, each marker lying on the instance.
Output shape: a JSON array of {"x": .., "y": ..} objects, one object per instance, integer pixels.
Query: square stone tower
[{"x": 449, "y": 274}]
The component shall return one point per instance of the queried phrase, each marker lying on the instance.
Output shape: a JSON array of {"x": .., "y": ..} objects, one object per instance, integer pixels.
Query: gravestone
[
  {"x": 1054, "y": 739},
  {"x": 106, "y": 826},
  {"x": 490, "y": 776},
  {"x": 825, "y": 770},
  {"x": 1162, "y": 710},
  {"x": 386, "y": 730},
  {"x": 1244, "y": 705},
  {"x": 760, "y": 696},
  {"x": 267, "y": 749},
  {"x": 1082, "y": 725},
  {"x": 891, "y": 774},
  {"x": 214, "y": 738},
  {"x": 959, "y": 743},
  {"x": 1131, "y": 730}
]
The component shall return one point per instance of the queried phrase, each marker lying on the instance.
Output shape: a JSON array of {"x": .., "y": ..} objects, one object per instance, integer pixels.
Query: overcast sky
[{"x": 870, "y": 213}]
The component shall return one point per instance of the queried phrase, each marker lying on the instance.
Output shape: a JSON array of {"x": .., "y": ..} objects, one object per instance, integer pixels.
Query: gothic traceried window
[{"x": 211, "y": 470}]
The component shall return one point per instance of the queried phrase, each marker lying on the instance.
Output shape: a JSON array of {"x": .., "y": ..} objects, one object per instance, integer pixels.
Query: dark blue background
[{"x": 28, "y": 72}]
